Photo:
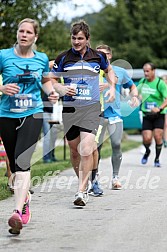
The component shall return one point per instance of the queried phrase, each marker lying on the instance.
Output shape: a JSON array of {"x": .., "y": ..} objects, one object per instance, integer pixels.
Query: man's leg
[
  {"x": 147, "y": 139},
  {"x": 99, "y": 139},
  {"x": 101, "y": 135},
  {"x": 116, "y": 138},
  {"x": 95, "y": 165},
  {"x": 96, "y": 189},
  {"x": 147, "y": 134},
  {"x": 165, "y": 132},
  {"x": 115, "y": 132},
  {"x": 86, "y": 148},
  {"x": 74, "y": 154},
  {"x": 158, "y": 136}
]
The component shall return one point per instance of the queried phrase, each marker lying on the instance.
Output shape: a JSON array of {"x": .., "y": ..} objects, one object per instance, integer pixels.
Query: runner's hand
[
  {"x": 10, "y": 89},
  {"x": 155, "y": 110},
  {"x": 69, "y": 90},
  {"x": 103, "y": 86},
  {"x": 53, "y": 97},
  {"x": 111, "y": 94},
  {"x": 134, "y": 102}
]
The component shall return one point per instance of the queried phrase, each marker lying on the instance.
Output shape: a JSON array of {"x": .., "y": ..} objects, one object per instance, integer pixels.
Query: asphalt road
[{"x": 133, "y": 219}]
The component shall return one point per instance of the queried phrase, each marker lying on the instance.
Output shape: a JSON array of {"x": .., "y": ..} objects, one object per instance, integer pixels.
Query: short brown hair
[{"x": 80, "y": 26}]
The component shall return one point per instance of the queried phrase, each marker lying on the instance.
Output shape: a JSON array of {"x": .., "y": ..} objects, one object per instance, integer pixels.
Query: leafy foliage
[
  {"x": 13, "y": 11},
  {"x": 54, "y": 38},
  {"x": 136, "y": 30}
]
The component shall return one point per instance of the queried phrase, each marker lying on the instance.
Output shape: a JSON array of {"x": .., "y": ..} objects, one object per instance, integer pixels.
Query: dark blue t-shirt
[{"x": 83, "y": 71}]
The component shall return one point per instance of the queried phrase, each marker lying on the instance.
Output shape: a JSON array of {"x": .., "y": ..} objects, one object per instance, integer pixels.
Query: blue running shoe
[
  {"x": 145, "y": 158},
  {"x": 157, "y": 163},
  {"x": 165, "y": 144},
  {"x": 96, "y": 189}
]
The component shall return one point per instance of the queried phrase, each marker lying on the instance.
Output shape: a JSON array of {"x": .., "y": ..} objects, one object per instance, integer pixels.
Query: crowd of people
[{"x": 90, "y": 93}]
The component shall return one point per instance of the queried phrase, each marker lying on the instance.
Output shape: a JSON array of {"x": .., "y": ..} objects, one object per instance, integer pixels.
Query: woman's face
[{"x": 26, "y": 34}]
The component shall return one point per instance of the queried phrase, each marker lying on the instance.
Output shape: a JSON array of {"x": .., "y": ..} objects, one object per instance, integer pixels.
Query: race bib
[
  {"x": 22, "y": 102},
  {"x": 83, "y": 92},
  {"x": 150, "y": 105}
]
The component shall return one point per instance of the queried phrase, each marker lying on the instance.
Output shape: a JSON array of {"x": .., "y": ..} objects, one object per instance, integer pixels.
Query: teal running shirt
[{"x": 27, "y": 73}]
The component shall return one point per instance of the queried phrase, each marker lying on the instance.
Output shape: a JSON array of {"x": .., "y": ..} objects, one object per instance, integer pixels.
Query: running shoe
[
  {"x": 15, "y": 222},
  {"x": 81, "y": 198},
  {"x": 26, "y": 213},
  {"x": 165, "y": 143},
  {"x": 96, "y": 189},
  {"x": 116, "y": 184},
  {"x": 157, "y": 163},
  {"x": 145, "y": 158}
]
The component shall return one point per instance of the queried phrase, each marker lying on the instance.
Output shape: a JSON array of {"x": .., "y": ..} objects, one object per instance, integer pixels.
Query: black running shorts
[
  {"x": 153, "y": 123},
  {"x": 77, "y": 119}
]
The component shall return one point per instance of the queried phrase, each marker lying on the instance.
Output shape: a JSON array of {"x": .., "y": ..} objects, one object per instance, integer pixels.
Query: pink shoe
[
  {"x": 15, "y": 222},
  {"x": 26, "y": 213}
]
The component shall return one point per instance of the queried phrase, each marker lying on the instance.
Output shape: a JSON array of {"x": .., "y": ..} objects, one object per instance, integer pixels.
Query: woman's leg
[
  {"x": 9, "y": 137},
  {"x": 27, "y": 137}
]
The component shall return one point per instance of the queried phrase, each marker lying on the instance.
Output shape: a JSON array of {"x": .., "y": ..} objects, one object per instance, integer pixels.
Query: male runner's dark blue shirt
[{"x": 83, "y": 71}]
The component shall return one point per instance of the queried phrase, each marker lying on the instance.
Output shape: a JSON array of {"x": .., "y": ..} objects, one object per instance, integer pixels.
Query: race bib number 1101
[{"x": 22, "y": 102}]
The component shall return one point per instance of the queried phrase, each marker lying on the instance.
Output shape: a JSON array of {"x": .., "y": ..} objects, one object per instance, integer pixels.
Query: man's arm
[
  {"x": 134, "y": 96},
  {"x": 112, "y": 80},
  {"x": 63, "y": 89},
  {"x": 159, "y": 109}
]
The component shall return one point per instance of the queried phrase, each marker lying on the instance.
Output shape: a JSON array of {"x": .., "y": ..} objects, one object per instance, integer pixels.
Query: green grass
[{"x": 39, "y": 169}]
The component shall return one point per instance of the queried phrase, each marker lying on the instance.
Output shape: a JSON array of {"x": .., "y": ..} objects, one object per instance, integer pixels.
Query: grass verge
[{"x": 39, "y": 170}]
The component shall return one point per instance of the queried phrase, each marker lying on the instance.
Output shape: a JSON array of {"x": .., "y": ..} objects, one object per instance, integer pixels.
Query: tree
[
  {"x": 54, "y": 38},
  {"x": 13, "y": 11},
  {"x": 150, "y": 29},
  {"x": 115, "y": 27},
  {"x": 115, "y": 24},
  {"x": 136, "y": 30}
]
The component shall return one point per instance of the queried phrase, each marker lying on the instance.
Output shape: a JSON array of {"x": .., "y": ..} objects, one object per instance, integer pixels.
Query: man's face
[
  {"x": 79, "y": 41},
  {"x": 148, "y": 72},
  {"x": 108, "y": 54}
]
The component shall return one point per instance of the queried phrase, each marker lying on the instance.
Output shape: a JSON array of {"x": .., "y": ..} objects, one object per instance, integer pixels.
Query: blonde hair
[
  {"x": 105, "y": 47},
  {"x": 31, "y": 21}
]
